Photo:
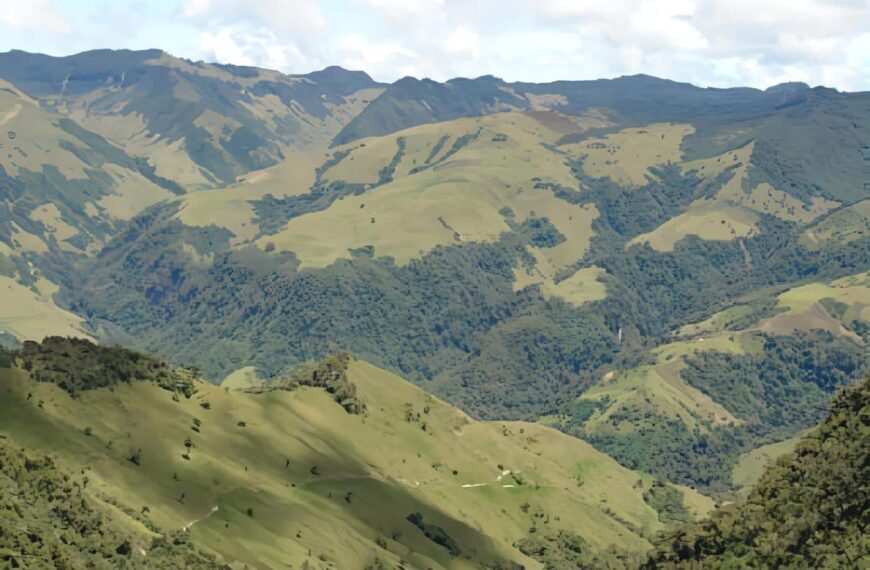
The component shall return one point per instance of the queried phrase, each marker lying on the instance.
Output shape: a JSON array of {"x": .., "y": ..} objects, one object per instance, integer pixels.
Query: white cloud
[
  {"x": 362, "y": 51},
  {"x": 36, "y": 15},
  {"x": 237, "y": 46},
  {"x": 409, "y": 13},
  {"x": 278, "y": 16},
  {"x": 755, "y": 42},
  {"x": 463, "y": 41}
]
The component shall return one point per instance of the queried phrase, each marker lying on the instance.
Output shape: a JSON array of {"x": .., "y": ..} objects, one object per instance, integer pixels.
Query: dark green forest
[{"x": 810, "y": 510}]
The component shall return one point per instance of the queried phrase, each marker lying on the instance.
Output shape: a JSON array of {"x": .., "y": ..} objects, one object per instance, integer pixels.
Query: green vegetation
[
  {"x": 435, "y": 533},
  {"x": 226, "y": 120},
  {"x": 809, "y": 510},
  {"x": 753, "y": 464},
  {"x": 298, "y": 315},
  {"x": 329, "y": 373},
  {"x": 452, "y": 318},
  {"x": 784, "y": 386},
  {"x": 49, "y": 519},
  {"x": 776, "y": 393},
  {"x": 675, "y": 275},
  {"x": 76, "y": 365},
  {"x": 410, "y": 102},
  {"x": 563, "y": 549}
]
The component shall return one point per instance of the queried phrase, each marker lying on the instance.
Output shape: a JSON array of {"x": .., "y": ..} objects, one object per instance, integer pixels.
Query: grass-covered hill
[
  {"x": 64, "y": 192},
  {"x": 290, "y": 473},
  {"x": 89, "y": 141},
  {"x": 808, "y": 140},
  {"x": 809, "y": 510}
]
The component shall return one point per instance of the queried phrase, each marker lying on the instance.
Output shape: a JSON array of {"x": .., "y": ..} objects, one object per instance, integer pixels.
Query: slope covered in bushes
[{"x": 811, "y": 510}]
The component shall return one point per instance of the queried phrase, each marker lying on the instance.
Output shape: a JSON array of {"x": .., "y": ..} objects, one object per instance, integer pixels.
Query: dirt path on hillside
[{"x": 186, "y": 527}]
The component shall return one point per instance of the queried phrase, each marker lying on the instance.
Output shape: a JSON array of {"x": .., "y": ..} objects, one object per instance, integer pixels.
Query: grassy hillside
[
  {"x": 495, "y": 256},
  {"x": 276, "y": 475},
  {"x": 808, "y": 510},
  {"x": 752, "y": 465},
  {"x": 65, "y": 187},
  {"x": 65, "y": 192},
  {"x": 410, "y": 102},
  {"x": 198, "y": 124},
  {"x": 50, "y": 519}
]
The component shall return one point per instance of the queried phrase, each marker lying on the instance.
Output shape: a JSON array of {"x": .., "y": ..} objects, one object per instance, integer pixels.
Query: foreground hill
[
  {"x": 808, "y": 511},
  {"x": 366, "y": 469}
]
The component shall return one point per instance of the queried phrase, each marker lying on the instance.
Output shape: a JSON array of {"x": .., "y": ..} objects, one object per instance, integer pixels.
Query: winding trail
[
  {"x": 186, "y": 527},
  {"x": 11, "y": 114}
]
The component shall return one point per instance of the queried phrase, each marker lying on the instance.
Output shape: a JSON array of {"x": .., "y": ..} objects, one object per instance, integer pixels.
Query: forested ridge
[{"x": 810, "y": 510}]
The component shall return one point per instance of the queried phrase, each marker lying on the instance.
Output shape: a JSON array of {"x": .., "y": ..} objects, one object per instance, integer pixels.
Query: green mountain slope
[
  {"x": 810, "y": 510},
  {"x": 65, "y": 192},
  {"x": 808, "y": 141},
  {"x": 199, "y": 124},
  {"x": 273, "y": 475},
  {"x": 754, "y": 374},
  {"x": 49, "y": 519},
  {"x": 410, "y": 102}
]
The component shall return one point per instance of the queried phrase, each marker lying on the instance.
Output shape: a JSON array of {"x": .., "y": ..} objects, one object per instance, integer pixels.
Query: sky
[{"x": 720, "y": 43}]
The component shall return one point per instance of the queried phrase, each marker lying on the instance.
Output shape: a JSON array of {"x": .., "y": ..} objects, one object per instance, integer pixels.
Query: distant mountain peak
[
  {"x": 788, "y": 86},
  {"x": 336, "y": 75}
]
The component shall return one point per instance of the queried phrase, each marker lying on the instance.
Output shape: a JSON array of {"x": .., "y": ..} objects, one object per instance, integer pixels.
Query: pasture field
[
  {"x": 721, "y": 223},
  {"x": 842, "y": 226},
  {"x": 752, "y": 465},
  {"x": 470, "y": 192},
  {"x": 29, "y": 313},
  {"x": 627, "y": 155}
]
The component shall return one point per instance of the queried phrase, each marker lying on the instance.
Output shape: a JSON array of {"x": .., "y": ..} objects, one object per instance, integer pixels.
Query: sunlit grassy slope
[
  {"x": 63, "y": 192},
  {"x": 842, "y": 226},
  {"x": 284, "y": 477},
  {"x": 42, "y": 146},
  {"x": 198, "y": 124},
  {"x": 468, "y": 172},
  {"x": 833, "y": 306},
  {"x": 733, "y": 212},
  {"x": 752, "y": 465},
  {"x": 467, "y": 180},
  {"x": 30, "y": 312}
]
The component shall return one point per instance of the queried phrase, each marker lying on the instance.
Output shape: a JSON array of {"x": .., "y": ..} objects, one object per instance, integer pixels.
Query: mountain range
[{"x": 635, "y": 293}]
